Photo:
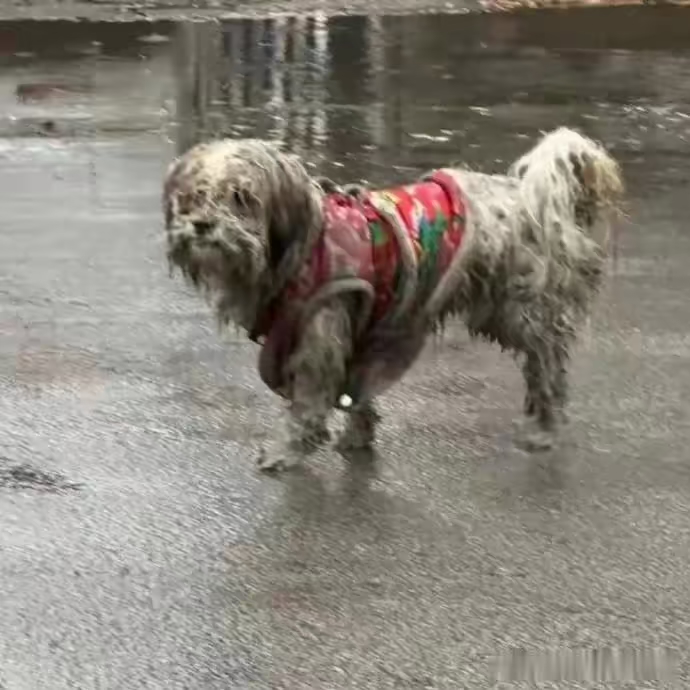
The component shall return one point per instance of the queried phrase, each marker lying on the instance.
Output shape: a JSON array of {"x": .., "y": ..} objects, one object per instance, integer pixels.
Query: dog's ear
[
  {"x": 292, "y": 210},
  {"x": 278, "y": 245},
  {"x": 288, "y": 231}
]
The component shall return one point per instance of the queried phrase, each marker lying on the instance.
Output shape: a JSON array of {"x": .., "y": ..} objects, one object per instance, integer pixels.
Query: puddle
[{"x": 365, "y": 97}]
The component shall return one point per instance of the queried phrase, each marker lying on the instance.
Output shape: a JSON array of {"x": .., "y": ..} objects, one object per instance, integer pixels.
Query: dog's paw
[
  {"x": 539, "y": 441},
  {"x": 272, "y": 462},
  {"x": 356, "y": 436},
  {"x": 347, "y": 443},
  {"x": 315, "y": 436},
  {"x": 533, "y": 438},
  {"x": 360, "y": 432}
]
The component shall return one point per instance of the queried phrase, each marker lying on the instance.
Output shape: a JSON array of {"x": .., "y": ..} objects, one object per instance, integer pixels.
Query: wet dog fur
[{"x": 241, "y": 216}]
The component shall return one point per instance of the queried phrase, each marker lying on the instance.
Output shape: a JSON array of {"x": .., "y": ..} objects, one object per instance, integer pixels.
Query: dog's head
[
  {"x": 238, "y": 216},
  {"x": 568, "y": 175}
]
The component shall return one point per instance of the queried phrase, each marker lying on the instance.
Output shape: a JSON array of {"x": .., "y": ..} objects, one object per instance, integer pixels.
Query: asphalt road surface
[{"x": 140, "y": 548}]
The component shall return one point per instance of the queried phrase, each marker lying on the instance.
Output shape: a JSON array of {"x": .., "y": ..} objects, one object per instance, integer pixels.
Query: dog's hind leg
[
  {"x": 541, "y": 400},
  {"x": 559, "y": 382},
  {"x": 530, "y": 371}
]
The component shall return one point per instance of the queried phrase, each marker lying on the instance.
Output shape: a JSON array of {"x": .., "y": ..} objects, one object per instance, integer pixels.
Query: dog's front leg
[
  {"x": 360, "y": 432},
  {"x": 317, "y": 370}
]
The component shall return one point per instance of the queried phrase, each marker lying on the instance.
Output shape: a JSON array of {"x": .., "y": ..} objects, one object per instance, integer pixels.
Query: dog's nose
[{"x": 202, "y": 227}]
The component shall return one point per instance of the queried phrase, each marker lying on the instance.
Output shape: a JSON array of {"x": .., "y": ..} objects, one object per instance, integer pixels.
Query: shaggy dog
[{"x": 342, "y": 287}]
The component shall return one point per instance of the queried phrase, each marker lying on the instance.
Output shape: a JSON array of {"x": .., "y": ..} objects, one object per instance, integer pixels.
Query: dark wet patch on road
[{"x": 24, "y": 476}]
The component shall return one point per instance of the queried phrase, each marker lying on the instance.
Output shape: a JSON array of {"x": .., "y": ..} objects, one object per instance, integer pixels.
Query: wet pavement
[{"x": 139, "y": 548}]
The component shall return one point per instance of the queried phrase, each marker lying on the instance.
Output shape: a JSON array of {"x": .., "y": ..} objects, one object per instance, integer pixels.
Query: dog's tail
[{"x": 569, "y": 182}]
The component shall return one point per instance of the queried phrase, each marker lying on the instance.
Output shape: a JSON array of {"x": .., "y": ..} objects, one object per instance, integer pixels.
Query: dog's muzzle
[{"x": 193, "y": 236}]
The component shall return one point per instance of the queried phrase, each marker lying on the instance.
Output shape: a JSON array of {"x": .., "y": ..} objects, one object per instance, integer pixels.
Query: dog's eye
[
  {"x": 202, "y": 227},
  {"x": 241, "y": 199}
]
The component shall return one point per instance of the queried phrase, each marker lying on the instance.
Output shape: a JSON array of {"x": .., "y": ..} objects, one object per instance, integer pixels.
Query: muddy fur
[{"x": 241, "y": 216}]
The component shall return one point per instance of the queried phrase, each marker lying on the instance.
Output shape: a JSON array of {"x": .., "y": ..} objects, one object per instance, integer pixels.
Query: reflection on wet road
[{"x": 138, "y": 547}]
